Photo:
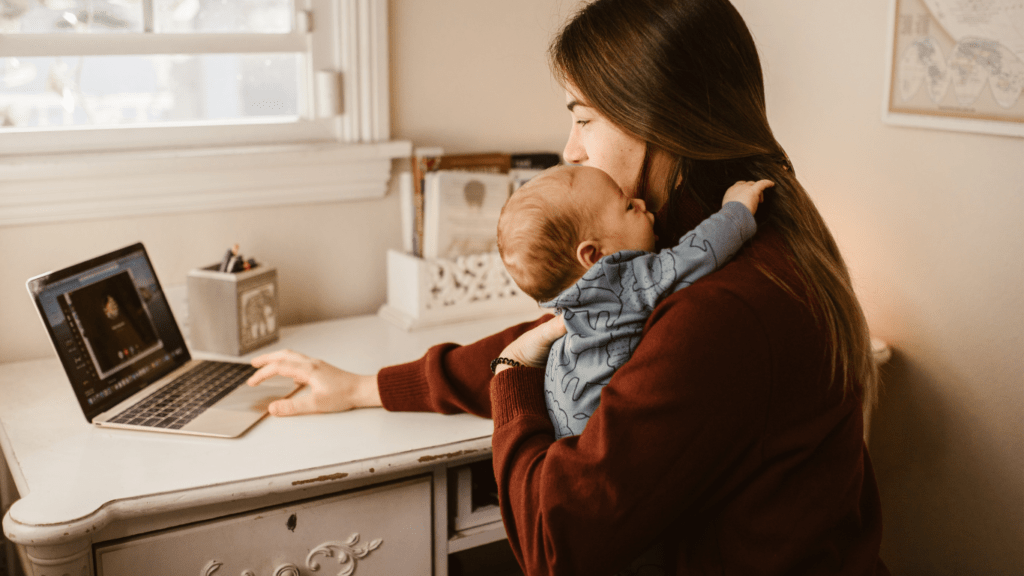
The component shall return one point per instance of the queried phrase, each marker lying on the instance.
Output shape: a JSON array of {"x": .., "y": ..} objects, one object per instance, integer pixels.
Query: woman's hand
[
  {"x": 532, "y": 347},
  {"x": 331, "y": 389}
]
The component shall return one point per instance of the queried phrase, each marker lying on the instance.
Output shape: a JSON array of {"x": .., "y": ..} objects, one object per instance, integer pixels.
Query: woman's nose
[{"x": 574, "y": 153}]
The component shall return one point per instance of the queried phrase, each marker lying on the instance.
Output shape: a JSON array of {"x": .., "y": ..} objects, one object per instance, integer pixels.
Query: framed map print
[{"x": 957, "y": 65}]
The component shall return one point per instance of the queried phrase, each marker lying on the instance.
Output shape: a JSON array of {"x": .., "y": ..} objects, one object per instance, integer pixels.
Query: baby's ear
[{"x": 588, "y": 253}]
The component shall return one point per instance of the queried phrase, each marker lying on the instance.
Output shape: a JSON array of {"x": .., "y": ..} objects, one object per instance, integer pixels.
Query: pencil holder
[
  {"x": 424, "y": 292},
  {"x": 232, "y": 313}
]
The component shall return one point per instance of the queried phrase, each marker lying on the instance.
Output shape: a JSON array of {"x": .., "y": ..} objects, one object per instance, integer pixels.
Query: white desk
[{"x": 91, "y": 495}]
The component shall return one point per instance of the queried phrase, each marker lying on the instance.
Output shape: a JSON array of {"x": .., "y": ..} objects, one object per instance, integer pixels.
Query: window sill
[{"x": 58, "y": 188}]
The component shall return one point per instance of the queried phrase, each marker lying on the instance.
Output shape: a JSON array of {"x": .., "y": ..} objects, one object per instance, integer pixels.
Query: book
[
  {"x": 424, "y": 160},
  {"x": 495, "y": 162},
  {"x": 527, "y": 165},
  {"x": 535, "y": 160},
  {"x": 417, "y": 210},
  {"x": 461, "y": 211}
]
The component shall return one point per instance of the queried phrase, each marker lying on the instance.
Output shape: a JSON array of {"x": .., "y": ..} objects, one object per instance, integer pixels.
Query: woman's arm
[
  {"x": 449, "y": 378},
  {"x": 331, "y": 388}
]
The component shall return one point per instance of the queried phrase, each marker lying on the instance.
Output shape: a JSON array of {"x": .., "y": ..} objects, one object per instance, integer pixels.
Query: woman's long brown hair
[{"x": 684, "y": 76}]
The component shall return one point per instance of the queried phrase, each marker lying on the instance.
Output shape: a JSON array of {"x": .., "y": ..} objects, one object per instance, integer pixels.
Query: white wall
[
  {"x": 928, "y": 221},
  {"x": 472, "y": 76},
  {"x": 930, "y": 224}
]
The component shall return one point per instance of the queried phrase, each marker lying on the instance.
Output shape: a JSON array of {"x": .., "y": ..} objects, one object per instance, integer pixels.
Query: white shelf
[{"x": 476, "y": 536}]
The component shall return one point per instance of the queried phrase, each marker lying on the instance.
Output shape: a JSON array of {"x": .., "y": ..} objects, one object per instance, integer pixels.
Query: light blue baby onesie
[{"x": 606, "y": 309}]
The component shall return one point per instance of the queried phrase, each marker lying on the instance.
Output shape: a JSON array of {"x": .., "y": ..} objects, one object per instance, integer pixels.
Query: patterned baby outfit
[{"x": 606, "y": 309}]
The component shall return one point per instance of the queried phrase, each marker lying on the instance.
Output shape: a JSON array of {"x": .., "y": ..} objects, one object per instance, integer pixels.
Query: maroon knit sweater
[{"x": 725, "y": 435}]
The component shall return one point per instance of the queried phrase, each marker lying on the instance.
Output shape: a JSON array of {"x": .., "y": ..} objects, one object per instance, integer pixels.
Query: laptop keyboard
[{"x": 187, "y": 396}]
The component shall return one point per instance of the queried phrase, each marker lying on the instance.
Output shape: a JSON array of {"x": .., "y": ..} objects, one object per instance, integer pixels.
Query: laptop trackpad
[
  {"x": 239, "y": 410},
  {"x": 256, "y": 398}
]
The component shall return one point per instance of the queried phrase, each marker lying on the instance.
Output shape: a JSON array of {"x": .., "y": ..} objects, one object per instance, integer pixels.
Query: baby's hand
[{"x": 750, "y": 194}]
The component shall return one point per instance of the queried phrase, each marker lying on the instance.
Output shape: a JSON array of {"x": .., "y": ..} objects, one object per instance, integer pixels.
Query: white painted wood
[
  {"x": 148, "y": 18},
  {"x": 28, "y": 145},
  {"x": 72, "y": 558},
  {"x": 440, "y": 534},
  {"x": 476, "y": 536},
  {"x": 61, "y": 188},
  {"x": 7, "y": 497},
  {"x": 77, "y": 479},
  {"x": 53, "y": 45},
  {"x": 383, "y": 530},
  {"x": 374, "y": 83},
  {"x": 348, "y": 63},
  {"x": 374, "y": 113},
  {"x": 469, "y": 514}
]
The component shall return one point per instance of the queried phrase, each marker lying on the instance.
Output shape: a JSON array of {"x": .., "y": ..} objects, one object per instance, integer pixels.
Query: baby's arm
[
  {"x": 720, "y": 236},
  {"x": 750, "y": 194},
  {"x": 699, "y": 252},
  {"x": 712, "y": 243}
]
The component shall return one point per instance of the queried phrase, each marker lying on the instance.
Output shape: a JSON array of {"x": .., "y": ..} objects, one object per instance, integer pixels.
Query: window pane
[
  {"x": 226, "y": 16},
  {"x": 131, "y": 90},
  {"x": 70, "y": 16}
]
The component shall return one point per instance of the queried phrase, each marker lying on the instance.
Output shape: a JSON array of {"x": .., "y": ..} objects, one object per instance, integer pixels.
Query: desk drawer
[{"x": 382, "y": 530}]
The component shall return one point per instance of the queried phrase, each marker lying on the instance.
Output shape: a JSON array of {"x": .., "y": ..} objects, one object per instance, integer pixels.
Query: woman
[{"x": 734, "y": 435}]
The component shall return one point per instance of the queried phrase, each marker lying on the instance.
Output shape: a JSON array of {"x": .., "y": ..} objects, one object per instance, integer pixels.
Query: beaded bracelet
[{"x": 503, "y": 360}]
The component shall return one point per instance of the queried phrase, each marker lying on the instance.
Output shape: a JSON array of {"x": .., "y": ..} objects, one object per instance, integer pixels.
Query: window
[{"x": 189, "y": 104}]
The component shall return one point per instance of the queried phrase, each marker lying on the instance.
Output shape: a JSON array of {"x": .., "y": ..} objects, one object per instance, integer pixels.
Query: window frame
[{"x": 340, "y": 151}]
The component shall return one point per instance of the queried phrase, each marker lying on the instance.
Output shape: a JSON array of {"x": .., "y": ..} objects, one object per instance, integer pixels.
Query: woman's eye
[
  {"x": 629, "y": 206},
  {"x": 583, "y": 122}
]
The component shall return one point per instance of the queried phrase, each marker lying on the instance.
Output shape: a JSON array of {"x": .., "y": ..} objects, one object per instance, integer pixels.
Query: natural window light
[
  {"x": 62, "y": 89},
  {"x": 99, "y": 92}
]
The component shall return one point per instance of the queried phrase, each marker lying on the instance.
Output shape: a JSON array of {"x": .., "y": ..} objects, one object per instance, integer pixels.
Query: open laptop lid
[{"x": 109, "y": 321}]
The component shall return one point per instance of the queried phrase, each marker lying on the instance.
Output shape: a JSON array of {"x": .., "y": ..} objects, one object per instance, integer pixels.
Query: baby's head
[{"x": 561, "y": 222}]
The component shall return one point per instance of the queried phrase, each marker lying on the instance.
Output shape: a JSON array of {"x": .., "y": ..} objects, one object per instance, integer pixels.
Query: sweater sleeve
[
  {"x": 449, "y": 378},
  {"x": 672, "y": 422}
]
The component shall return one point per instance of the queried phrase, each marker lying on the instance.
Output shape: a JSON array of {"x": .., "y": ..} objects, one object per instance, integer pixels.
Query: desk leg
[
  {"x": 8, "y": 494},
  {"x": 441, "y": 521},
  {"x": 72, "y": 559}
]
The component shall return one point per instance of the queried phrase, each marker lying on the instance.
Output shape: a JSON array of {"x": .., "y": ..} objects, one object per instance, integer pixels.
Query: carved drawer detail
[
  {"x": 347, "y": 553},
  {"x": 293, "y": 540}
]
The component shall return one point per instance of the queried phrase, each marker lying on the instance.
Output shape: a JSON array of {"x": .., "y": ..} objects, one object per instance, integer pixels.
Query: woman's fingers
[
  {"x": 290, "y": 406},
  {"x": 293, "y": 365},
  {"x": 532, "y": 347},
  {"x": 552, "y": 330}
]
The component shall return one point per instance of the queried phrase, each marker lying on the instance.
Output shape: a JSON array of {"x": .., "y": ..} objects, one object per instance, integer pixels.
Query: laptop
[{"x": 126, "y": 359}]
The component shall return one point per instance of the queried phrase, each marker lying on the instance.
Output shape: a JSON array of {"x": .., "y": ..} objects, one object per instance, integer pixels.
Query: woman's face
[{"x": 597, "y": 142}]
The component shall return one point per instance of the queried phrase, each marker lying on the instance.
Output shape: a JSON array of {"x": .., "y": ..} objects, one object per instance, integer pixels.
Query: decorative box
[
  {"x": 232, "y": 313},
  {"x": 431, "y": 292}
]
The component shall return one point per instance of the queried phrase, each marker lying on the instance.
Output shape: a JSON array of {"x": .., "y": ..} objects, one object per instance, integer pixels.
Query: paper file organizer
[{"x": 430, "y": 292}]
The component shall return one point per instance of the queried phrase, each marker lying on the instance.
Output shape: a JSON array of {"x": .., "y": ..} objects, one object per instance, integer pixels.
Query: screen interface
[{"x": 112, "y": 328}]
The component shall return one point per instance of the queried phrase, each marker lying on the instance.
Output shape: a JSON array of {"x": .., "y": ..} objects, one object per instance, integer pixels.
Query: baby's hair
[{"x": 538, "y": 231}]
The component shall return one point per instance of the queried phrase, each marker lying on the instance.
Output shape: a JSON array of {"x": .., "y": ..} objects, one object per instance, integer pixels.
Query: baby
[{"x": 572, "y": 240}]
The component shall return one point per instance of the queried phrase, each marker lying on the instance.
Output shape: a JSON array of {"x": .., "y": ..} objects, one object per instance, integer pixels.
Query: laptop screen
[{"x": 111, "y": 326}]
